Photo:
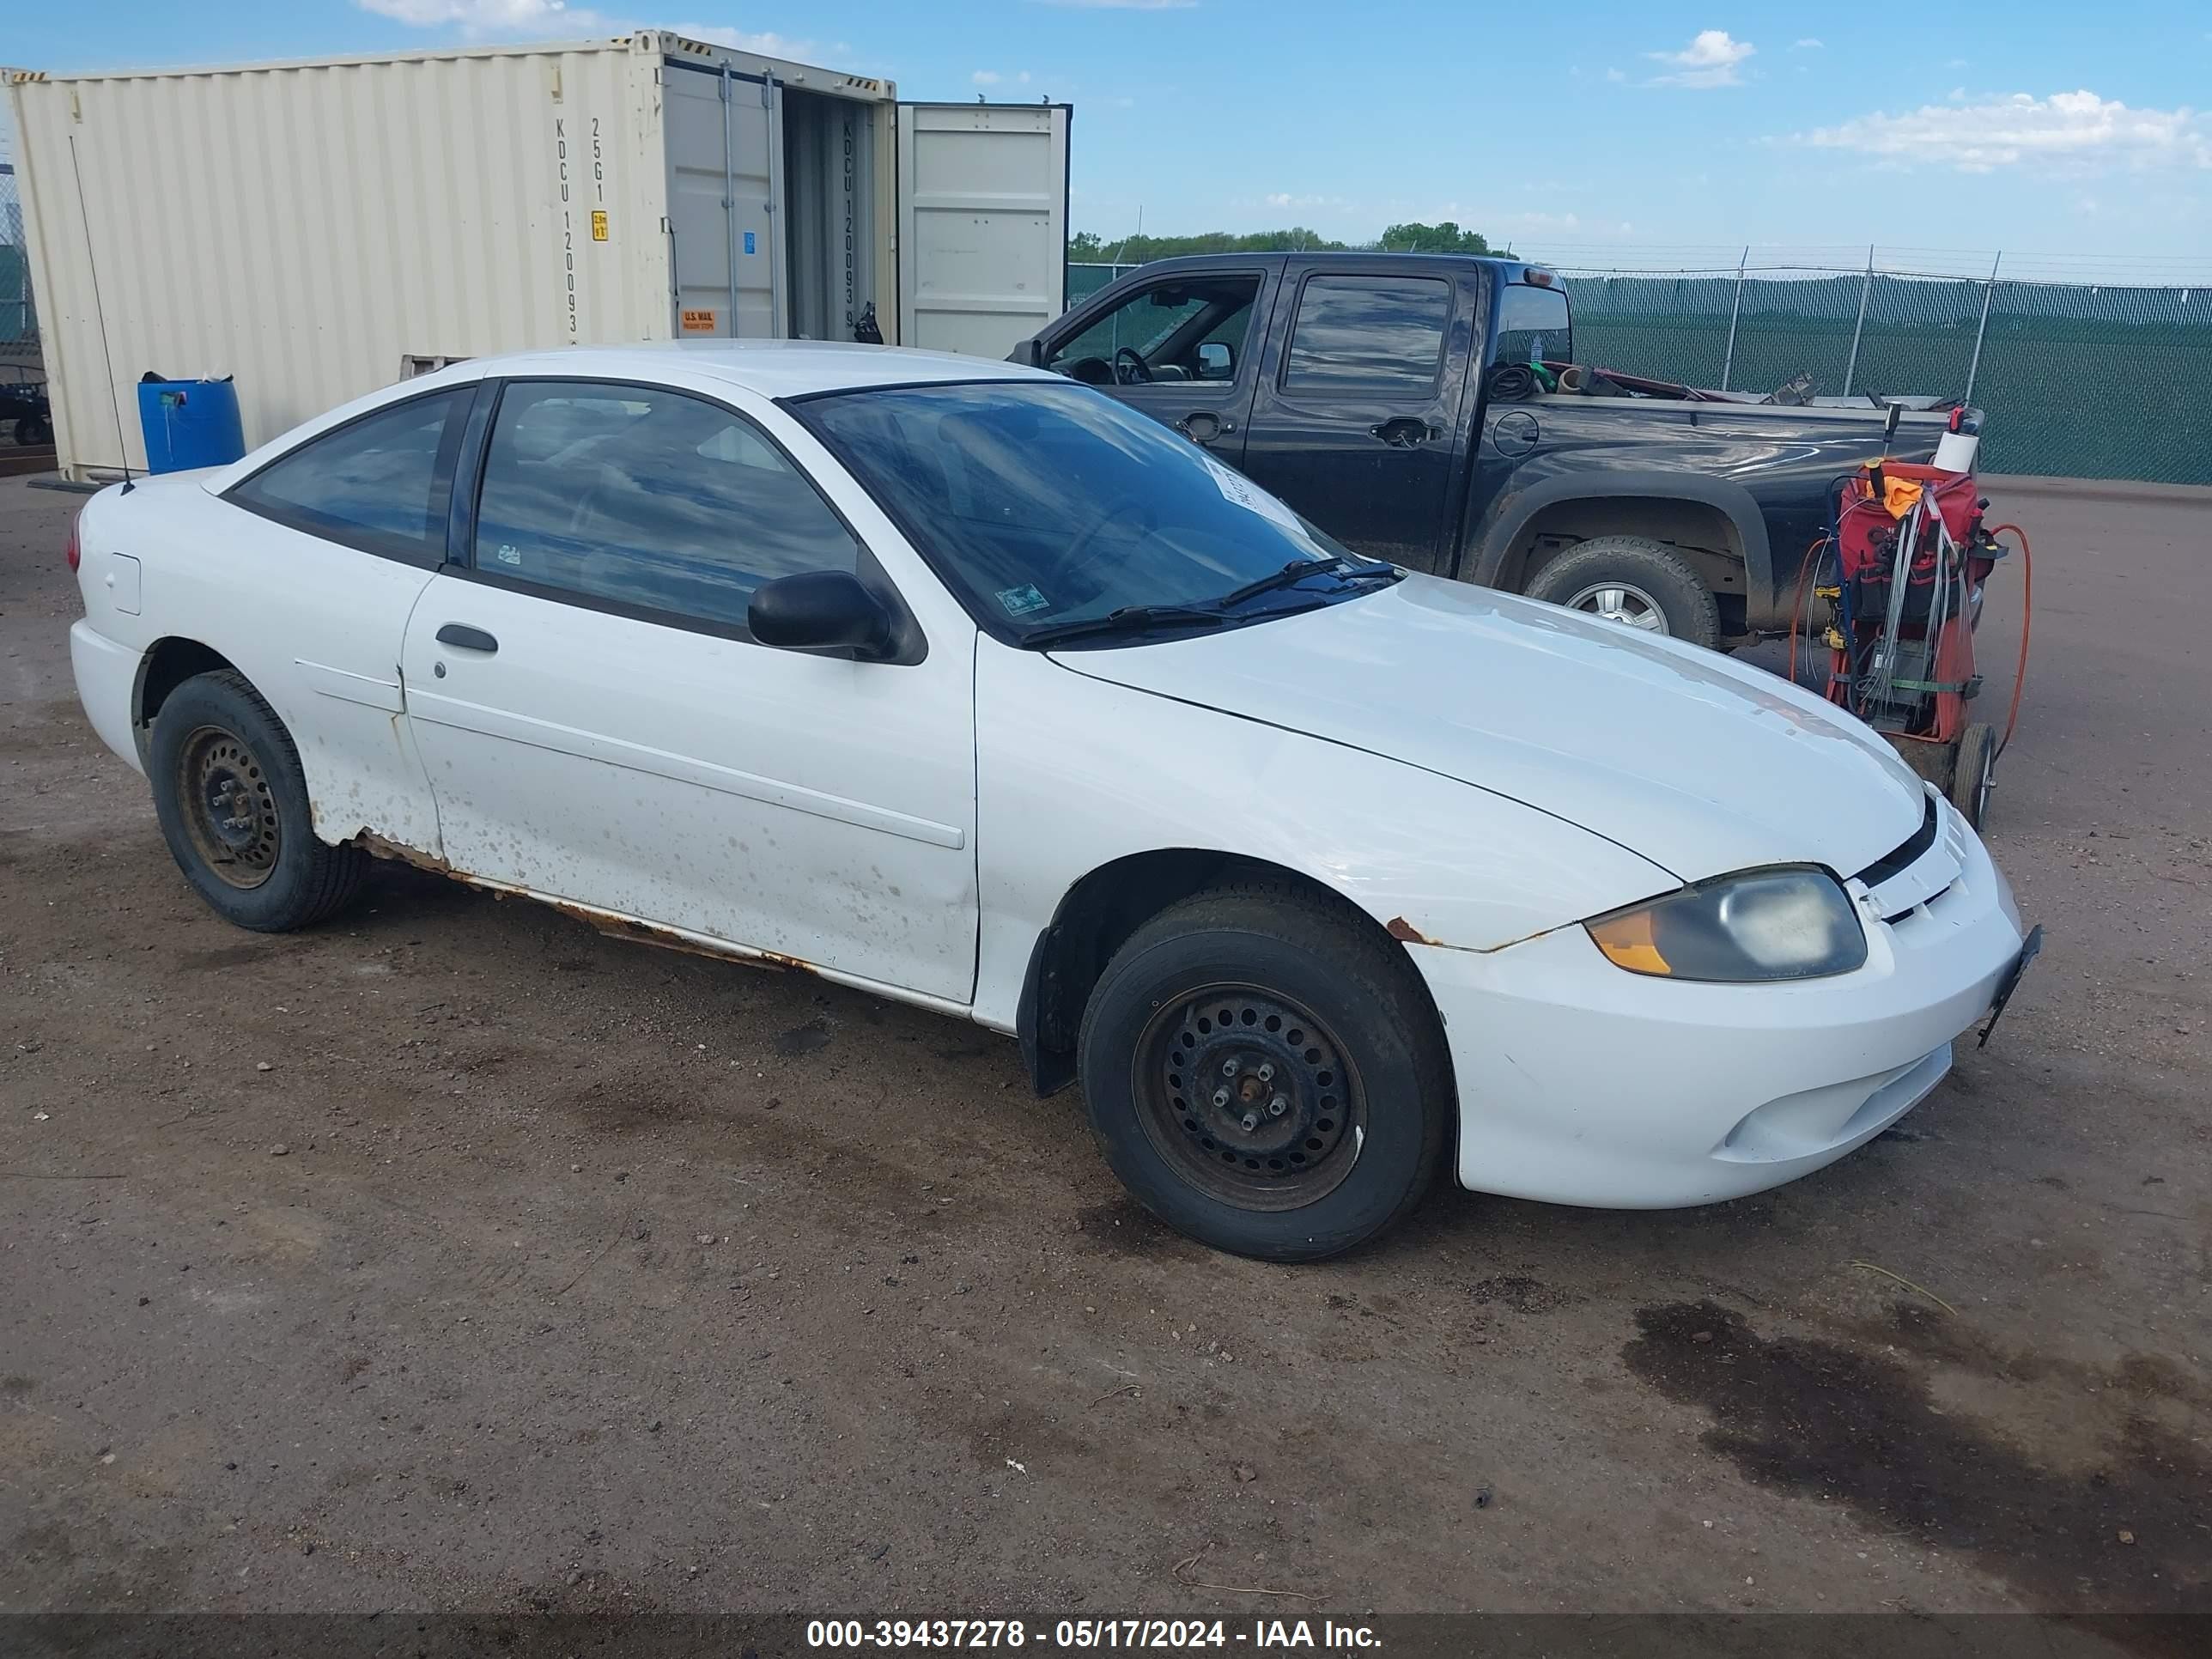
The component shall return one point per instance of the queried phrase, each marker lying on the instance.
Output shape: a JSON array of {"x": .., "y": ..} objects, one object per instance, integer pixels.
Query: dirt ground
[{"x": 452, "y": 1256}]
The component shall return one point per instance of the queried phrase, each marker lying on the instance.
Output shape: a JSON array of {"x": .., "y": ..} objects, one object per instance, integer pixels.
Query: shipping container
[{"x": 318, "y": 229}]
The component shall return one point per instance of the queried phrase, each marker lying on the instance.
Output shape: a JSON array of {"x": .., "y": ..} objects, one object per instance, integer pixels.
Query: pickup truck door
[
  {"x": 1359, "y": 414},
  {"x": 1184, "y": 350}
]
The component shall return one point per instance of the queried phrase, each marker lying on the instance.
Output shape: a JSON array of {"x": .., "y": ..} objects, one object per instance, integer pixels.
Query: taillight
[{"x": 75, "y": 552}]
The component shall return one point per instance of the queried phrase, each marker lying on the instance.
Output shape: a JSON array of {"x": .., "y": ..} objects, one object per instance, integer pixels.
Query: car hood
[{"x": 1697, "y": 764}]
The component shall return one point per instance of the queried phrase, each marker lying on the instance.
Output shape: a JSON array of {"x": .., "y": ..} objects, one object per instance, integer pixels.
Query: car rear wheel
[
  {"x": 233, "y": 806},
  {"x": 1266, "y": 1074},
  {"x": 1634, "y": 580},
  {"x": 31, "y": 430}
]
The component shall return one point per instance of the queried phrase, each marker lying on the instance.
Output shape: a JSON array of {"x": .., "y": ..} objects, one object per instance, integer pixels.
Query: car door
[
  {"x": 600, "y": 727},
  {"x": 1356, "y": 420},
  {"x": 1181, "y": 349}
]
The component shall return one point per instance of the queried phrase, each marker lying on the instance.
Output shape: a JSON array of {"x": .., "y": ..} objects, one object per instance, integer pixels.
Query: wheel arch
[
  {"x": 1498, "y": 549},
  {"x": 1103, "y": 906},
  {"x": 167, "y": 663}
]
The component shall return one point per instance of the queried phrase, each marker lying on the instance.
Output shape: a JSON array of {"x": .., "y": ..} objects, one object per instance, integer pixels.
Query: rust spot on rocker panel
[
  {"x": 667, "y": 939},
  {"x": 377, "y": 846},
  {"x": 641, "y": 932}
]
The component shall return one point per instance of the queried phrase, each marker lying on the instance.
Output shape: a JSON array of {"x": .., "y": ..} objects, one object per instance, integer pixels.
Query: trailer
[{"x": 320, "y": 228}]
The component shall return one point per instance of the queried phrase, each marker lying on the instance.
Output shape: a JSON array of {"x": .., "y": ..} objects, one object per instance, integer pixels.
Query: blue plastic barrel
[{"x": 189, "y": 424}]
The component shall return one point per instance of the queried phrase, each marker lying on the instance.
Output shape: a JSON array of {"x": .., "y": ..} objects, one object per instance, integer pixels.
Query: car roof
[{"x": 771, "y": 368}]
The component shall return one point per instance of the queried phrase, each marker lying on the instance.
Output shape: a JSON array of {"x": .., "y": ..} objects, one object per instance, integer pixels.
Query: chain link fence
[{"x": 2078, "y": 379}]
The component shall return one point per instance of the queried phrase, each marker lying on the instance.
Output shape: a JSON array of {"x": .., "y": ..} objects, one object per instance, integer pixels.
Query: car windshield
[{"x": 1045, "y": 505}]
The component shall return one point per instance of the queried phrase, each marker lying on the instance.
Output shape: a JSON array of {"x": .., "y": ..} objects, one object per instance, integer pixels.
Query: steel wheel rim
[
  {"x": 1250, "y": 1097},
  {"x": 229, "y": 807},
  {"x": 1621, "y": 602},
  {"x": 1983, "y": 786}
]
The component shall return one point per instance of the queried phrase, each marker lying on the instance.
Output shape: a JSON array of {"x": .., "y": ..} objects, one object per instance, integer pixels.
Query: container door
[
  {"x": 982, "y": 224},
  {"x": 724, "y": 179}
]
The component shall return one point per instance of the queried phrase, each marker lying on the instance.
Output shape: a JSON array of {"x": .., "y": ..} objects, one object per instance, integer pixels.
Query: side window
[
  {"x": 647, "y": 498},
  {"x": 1532, "y": 325},
  {"x": 1379, "y": 336},
  {"x": 1169, "y": 327},
  {"x": 380, "y": 484}
]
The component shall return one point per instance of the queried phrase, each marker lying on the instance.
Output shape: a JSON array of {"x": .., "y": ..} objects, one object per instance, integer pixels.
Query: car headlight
[{"x": 1785, "y": 923}]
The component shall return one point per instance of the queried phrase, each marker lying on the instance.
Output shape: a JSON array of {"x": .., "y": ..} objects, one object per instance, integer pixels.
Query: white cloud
[
  {"x": 1615, "y": 75},
  {"x": 984, "y": 77},
  {"x": 1808, "y": 44},
  {"x": 487, "y": 16},
  {"x": 1714, "y": 57},
  {"x": 2077, "y": 129}
]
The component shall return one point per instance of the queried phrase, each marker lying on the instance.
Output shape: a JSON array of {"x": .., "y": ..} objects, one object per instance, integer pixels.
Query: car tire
[
  {"x": 1267, "y": 995},
  {"x": 1973, "y": 773},
  {"x": 1653, "y": 587},
  {"x": 31, "y": 431},
  {"x": 232, "y": 805}
]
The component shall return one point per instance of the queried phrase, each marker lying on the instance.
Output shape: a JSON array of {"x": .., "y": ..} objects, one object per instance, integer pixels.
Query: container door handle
[{"x": 467, "y": 638}]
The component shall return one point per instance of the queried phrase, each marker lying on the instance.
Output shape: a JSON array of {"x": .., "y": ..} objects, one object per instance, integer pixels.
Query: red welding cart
[{"x": 1902, "y": 576}]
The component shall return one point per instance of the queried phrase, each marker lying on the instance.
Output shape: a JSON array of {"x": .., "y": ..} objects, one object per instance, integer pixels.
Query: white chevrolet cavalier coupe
[{"x": 961, "y": 683}]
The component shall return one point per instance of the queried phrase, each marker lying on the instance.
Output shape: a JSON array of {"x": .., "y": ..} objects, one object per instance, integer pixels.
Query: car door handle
[
  {"x": 467, "y": 638},
  {"x": 1204, "y": 426},
  {"x": 1405, "y": 431}
]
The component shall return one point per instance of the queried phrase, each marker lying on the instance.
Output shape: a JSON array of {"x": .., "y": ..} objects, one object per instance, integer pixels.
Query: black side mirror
[{"x": 820, "y": 610}]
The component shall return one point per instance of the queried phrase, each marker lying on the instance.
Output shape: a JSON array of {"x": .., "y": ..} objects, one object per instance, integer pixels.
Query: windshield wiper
[
  {"x": 1129, "y": 619},
  {"x": 1298, "y": 570}
]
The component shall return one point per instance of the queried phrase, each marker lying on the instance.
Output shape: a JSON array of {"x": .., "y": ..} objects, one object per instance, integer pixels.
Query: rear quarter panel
[{"x": 316, "y": 628}]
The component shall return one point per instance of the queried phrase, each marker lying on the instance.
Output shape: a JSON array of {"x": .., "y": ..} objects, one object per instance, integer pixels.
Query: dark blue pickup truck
[{"x": 1390, "y": 398}]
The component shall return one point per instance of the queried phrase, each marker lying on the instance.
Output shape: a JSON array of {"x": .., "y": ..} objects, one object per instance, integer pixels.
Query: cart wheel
[{"x": 1974, "y": 774}]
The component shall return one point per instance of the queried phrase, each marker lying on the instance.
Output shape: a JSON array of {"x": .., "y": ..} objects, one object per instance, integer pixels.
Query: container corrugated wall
[{"x": 306, "y": 227}]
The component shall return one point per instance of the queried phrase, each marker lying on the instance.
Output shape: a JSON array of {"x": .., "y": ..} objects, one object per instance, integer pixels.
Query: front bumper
[{"x": 1580, "y": 1083}]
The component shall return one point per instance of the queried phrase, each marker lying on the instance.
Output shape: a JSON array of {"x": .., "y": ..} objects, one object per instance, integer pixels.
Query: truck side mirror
[{"x": 1216, "y": 361}]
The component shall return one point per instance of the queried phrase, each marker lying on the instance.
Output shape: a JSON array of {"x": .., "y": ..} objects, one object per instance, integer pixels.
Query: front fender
[{"x": 1073, "y": 773}]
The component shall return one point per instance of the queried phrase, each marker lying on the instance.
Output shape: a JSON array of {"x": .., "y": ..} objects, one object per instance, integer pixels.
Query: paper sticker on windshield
[
  {"x": 1020, "y": 601},
  {"x": 1240, "y": 490}
]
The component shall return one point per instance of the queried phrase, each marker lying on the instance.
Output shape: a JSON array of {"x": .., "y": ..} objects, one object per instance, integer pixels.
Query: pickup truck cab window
[
  {"x": 380, "y": 485},
  {"x": 1368, "y": 334},
  {"x": 646, "y": 499},
  {"x": 1532, "y": 325}
]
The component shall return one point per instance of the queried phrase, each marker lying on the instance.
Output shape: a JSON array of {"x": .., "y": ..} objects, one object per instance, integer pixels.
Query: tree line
[{"x": 1088, "y": 247}]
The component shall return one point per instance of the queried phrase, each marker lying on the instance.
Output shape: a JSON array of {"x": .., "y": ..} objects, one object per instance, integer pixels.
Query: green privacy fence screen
[
  {"x": 17, "y": 323},
  {"x": 2077, "y": 379}
]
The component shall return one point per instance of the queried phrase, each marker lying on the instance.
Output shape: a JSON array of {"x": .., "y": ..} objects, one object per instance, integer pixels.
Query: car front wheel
[{"x": 1266, "y": 1074}]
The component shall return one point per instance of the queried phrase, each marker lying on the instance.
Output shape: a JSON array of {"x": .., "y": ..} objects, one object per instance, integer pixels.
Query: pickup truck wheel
[
  {"x": 233, "y": 806},
  {"x": 1632, "y": 579},
  {"x": 31, "y": 430},
  {"x": 1265, "y": 1075}
]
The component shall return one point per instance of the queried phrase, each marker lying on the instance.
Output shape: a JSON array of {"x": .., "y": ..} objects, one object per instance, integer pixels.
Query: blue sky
[{"x": 1586, "y": 130}]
